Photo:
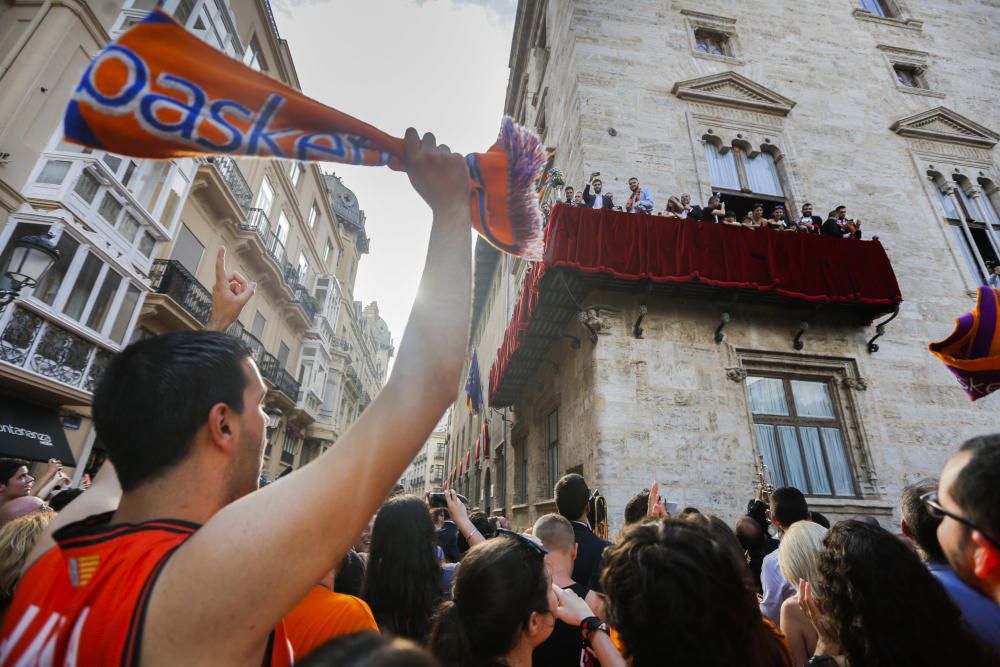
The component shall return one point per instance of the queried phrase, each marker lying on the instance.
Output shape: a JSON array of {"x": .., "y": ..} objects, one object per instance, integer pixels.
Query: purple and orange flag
[
  {"x": 160, "y": 92},
  {"x": 972, "y": 351}
]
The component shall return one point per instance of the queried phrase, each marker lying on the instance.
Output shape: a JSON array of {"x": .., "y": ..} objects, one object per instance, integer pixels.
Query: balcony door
[{"x": 188, "y": 250}]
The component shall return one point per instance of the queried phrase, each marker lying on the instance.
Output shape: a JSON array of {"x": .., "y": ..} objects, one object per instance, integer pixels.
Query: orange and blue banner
[
  {"x": 158, "y": 91},
  {"x": 972, "y": 351}
]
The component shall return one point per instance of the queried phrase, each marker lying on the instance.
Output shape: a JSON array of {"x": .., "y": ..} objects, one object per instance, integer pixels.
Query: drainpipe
[{"x": 9, "y": 59}]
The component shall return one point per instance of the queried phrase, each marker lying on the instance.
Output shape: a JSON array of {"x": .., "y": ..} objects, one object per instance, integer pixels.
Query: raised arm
[
  {"x": 42, "y": 487},
  {"x": 220, "y": 595}
]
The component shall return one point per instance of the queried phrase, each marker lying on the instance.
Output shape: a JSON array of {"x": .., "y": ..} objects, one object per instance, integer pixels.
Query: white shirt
[{"x": 598, "y": 200}]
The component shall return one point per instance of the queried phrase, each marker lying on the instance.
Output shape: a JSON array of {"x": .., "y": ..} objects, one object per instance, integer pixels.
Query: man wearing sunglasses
[{"x": 968, "y": 502}]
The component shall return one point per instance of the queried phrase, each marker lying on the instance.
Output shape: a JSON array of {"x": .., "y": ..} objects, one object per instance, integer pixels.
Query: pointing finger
[{"x": 220, "y": 264}]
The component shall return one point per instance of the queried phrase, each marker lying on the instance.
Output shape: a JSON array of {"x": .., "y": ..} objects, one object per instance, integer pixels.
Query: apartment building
[{"x": 137, "y": 241}]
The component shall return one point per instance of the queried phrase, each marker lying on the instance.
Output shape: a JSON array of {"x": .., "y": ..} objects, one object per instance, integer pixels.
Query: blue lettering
[
  {"x": 306, "y": 147},
  {"x": 154, "y": 102},
  {"x": 259, "y": 132},
  {"x": 138, "y": 75},
  {"x": 358, "y": 147},
  {"x": 218, "y": 110}
]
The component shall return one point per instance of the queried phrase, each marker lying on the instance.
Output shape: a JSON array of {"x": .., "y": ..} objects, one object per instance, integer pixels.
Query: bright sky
[{"x": 438, "y": 65}]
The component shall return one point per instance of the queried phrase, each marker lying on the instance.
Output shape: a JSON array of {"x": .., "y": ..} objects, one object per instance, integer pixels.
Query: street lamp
[
  {"x": 273, "y": 419},
  {"x": 30, "y": 257}
]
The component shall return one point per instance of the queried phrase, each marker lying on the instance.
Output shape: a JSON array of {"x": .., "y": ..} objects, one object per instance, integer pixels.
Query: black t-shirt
[{"x": 562, "y": 648}]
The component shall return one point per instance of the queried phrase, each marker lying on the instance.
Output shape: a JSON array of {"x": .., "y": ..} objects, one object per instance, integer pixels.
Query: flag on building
[
  {"x": 972, "y": 351},
  {"x": 473, "y": 387},
  {"x": 486, "y": 440}
]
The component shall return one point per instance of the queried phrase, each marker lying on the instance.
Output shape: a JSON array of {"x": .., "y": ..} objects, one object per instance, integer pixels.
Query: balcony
[
  {"x": 49, "y": 358},
  {"x": 849, "y": 281},
  {"x": 234, "y": 180},
  {"x": 178, "y": 302},
  {"x": 272, "y": 372}
]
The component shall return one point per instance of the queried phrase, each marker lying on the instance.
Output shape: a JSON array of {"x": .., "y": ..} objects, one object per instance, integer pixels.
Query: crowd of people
[
  {"x": 175, "y": 556},
  {"x": 639, "y": 200}
]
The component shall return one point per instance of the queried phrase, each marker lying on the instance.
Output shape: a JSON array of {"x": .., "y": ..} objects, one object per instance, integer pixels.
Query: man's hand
[
  {"x": 230, "y": 293},
  {"x": 654, "y": 507},
  {"x": 55, "y": 465},
  {"x": 438, "y": 175},
  {"x": 570, "y": 608}
]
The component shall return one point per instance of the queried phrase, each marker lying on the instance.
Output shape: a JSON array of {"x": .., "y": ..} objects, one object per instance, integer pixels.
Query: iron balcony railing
[
  {"x": 268, "y": 364},
  {"x": 233, "y": 177},
  {"x": 169, "y": 277},
  {"x": 276, "y": 251},
  {"x": 256, "y": 222},
  {"x": 308, "y": 303}
]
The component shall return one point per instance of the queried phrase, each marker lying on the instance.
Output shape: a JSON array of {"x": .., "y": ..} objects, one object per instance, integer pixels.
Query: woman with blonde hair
[
  {"x": 17, "y": 538},
  {"x": 798, "y": 558}
]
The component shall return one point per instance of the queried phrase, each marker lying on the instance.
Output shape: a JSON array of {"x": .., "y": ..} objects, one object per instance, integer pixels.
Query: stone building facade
[
  {"x": 138, "y": 241},
  {"x": 885, "y": 107},
  {"x": 426, "y": 472}
]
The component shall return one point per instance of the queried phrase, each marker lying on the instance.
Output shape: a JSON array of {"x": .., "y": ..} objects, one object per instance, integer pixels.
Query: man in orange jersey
[{"x": 182, "y": 570}]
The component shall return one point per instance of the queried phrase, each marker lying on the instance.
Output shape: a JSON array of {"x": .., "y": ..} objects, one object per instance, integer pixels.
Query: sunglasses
[
  {"x": 938, "y": 512},
  {"x": 535, "y": 546}
]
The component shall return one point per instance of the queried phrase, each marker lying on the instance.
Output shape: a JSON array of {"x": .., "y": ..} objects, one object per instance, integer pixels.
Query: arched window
[
  {"x": 743, "y": 176},
  {"x": 973, "y": 225}
]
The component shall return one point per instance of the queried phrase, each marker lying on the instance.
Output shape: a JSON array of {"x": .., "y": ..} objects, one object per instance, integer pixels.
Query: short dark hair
[
  {"x": 975, "y": 488},
  {"x": 921, "y": 524},
  {"x": 368, "y": 649},
  {"x": 820, "y": 518},
  {"x": 807, "y": 204},
  {"x": 9, "y": 468},
  {"x": 788, "y": 505},
  {"x": 636, "y": 507},
  {"x": 837, "y": 208},
  {"x": 157, "y": 393},
  {"x": 572, "y": 495},
  {"x": 59, "y": 501}
]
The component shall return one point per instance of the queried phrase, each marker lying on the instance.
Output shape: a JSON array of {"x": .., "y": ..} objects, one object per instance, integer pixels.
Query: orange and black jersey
[{"x": 84, "y": 602}]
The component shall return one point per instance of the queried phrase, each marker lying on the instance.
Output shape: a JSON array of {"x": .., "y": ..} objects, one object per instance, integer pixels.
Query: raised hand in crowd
[
  {"x": 460, "y": 515},
  {"x": 572, "y": 610},
  {"x": 43, "y": 485},
  {"x": 230, "y": 293},
  {"x": 655, "y": 509}
]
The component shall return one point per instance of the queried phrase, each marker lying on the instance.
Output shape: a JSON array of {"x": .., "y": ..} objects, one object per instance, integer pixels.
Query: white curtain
[
  {"x": 820, "y": 481},
  {"x": 767, "y": 396},
  {"x": 948, "y": 204},
  {"x": 721, "y": 168},
  {"x": 812, "y": 399},
  {"x": 792, "y": 457},
  {"x": 762, "y": 174},
  {"x": 767, "y": 445},
  {"x": 833, "y": 445}
]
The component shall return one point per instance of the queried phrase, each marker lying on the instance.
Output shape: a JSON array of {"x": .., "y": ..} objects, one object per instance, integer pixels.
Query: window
[
  {"x": 552, "y": 453},
  {"x": 149, "y": 185},
  {"x": 257, "y": 328},
  {"x": 799, "y": 435},
  {"x": 188, "y": 250},
  {"x": 146, "y": 244},
  {"x": 283, "y": 352},
  {"x": 175, "y": 196},
  {"x": 970, "y": 218},
  {"x": 102, "y": 305},
  {"x": 128, "y": 227},
  {"x": 110, "y": 208},
  {"x": 303, "y": 269},
  {"x": 313, "y": 214},
  {"x": 882, "y": 8},
  {"x": 87, "y": 186},
  {"x": 908, "y": 76},
  {"x": 501, "y": 471},
  {"x": 83, "y": 286},
  {"x": 521, "y": 471},
  {"x": 326, "y": 253},
  {"x": 282, "y": 231},
  {"x": 294, "y": 174},
  {"x": 265, "y": 198},
  {"x": 183, "y": 11},
  {"x": 253, "y": 58},
  {"x": 711, "y": 42},
  {"x": 743, "y": 177},
  {"x": 54, "y": 172}
]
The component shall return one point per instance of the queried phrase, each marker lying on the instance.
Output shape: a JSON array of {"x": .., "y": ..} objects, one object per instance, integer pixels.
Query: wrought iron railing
[
  {"x": 30, "y": 341},
  {"x": 168, "y": 276},
  {"x": 276, "y": 251},
  {"x": 233, "y": 177},
  {"x": 308, "y": 303},
  {"x": 256, "y": 222},
  {"x": 268, "y": 364},
  {"x": 352, "y": 375}
]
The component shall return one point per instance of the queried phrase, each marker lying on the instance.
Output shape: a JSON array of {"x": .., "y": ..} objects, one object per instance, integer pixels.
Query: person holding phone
[{"x": 597, "y": 199}]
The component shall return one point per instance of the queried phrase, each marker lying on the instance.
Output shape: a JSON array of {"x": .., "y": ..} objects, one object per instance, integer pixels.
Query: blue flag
[{"x": 473, "y": 387}]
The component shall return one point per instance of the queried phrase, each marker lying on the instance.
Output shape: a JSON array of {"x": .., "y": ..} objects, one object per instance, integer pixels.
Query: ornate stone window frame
[
  {"x": 845, "y": 382},
  {"x": 918, "y": 61},
  {"x": 721, "y": 25},
  {"x": 900, "y": 20}
]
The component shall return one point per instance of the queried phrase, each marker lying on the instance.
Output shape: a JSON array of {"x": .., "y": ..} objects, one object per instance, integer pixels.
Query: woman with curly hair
[
  {"x": 882, "y": 607},
  {"x": 676, "y": 596}
]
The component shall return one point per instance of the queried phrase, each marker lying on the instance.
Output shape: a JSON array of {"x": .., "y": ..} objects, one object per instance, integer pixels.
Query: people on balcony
[
  {"x": 838, "y": 225},
  {"x": 640, "y": 201},
  {"x": 713, "y": 211},
  {"x": 569, "y": 192},
  {"x": 578, "y": 200},
  {"x": 755, "y": 218},
  {"x": 779, "y": 222},
  {"x": 807, "y": 221}
]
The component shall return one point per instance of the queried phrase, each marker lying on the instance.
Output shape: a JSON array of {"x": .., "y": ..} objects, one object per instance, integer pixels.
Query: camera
[{"x": 437, "y": 499}]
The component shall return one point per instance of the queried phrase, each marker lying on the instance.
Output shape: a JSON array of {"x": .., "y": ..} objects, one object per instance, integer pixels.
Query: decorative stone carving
[
  {"x": 857, "y": 384},
  {"x": 734, "y": 90},
  {"x": 942, "y": 124},
  {"x": 736, "y": 374}
]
